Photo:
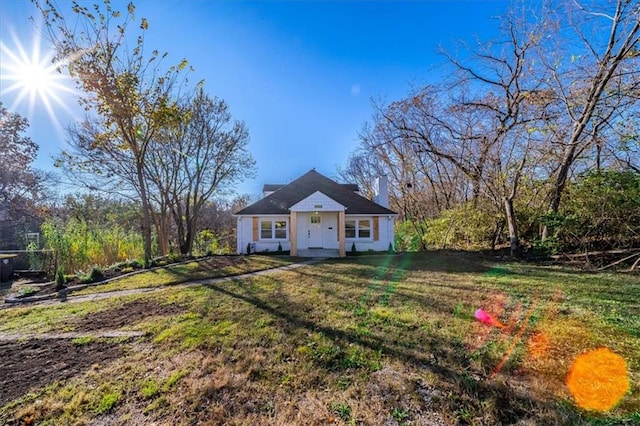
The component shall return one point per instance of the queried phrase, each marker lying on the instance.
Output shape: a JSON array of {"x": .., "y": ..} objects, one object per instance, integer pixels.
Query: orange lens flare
[
  {"x": 538, "y": 345},
  {"x": 598, "y": 379}
]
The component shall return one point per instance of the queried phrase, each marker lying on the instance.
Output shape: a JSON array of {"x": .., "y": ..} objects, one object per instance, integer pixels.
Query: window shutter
[
  {"x": 255, "y": 228},
  {"x": 376, "y": 228}
]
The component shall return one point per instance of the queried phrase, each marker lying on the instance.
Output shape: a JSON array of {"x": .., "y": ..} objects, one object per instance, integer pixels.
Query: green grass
[
  {"x": 107, "y": 402},
  {"x": 362, "y": 340},
  {"x": 43, "y": 319},
  {"x": 150, "y": 389},
  {"x": 81, "y": 341},
  {"x": 190, "y": 271}
]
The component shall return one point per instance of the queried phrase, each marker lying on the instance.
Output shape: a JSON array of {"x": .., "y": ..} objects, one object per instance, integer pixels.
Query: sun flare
[{"x": 34, "y": 78}]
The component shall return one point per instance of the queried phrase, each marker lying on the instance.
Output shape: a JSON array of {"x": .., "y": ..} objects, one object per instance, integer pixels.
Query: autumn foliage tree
[
  {"x": 124, "y": 89},
  {"x": 21, "y": 186}
]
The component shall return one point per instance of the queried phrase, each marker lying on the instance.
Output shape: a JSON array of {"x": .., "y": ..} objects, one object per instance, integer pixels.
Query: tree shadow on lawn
[
  {"x": 600, "y": 292},
  {"x": 432, "y": 261},
  {"x": 210, "y": 270},
  {"x": 387, "y": 277},
  {"x": 445, "y": 358}
]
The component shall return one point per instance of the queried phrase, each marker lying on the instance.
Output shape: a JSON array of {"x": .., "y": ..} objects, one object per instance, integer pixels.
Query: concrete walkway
[
  {"x": 55, "y": 299},
  {"x": 319, "y": 253}
]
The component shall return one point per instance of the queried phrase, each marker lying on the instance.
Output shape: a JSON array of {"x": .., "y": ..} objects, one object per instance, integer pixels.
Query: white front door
[{"x": 315, "y": 231}]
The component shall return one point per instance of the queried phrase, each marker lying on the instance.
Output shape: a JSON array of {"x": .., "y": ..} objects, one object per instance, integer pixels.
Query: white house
[{"x": 314, "y": 212}]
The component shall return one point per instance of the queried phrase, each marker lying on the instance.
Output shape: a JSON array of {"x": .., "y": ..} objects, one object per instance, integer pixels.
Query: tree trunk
[
  {"x": 146, "y": 217},
  {"x": 559, "y": 185},
  {"x": 163, "y": 234},
  {"x": 497, "y": 230},
  {"x": 161, "y": 223},
  {"x": 180, "y": 231},
  {"x": 513, "y": 228},
  {"x": 186, "y": 245}
]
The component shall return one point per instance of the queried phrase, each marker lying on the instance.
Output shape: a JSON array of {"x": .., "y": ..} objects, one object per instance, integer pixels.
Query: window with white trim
[
  {"x": 350, "y": 228},
  {"x": 273, "y": 230},
  {"x": 364, "y": 228},
  {"x": 357, "y": 229},
  {"x": 280, "y": 229}
]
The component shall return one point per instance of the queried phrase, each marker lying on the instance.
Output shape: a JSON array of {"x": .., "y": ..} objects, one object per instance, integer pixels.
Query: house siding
[
  {"x": 381, "y": 234},
  {"x": 317, "y": 202},
  {"x": 249, "y": 233}
]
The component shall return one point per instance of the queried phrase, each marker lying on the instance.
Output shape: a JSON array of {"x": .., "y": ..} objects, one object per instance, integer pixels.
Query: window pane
[
  {"x": 265, "y": 229},
  {"x": 364, "y": 228},
  {"x": 350, "y": 228},
  {"x": 315, "y": 219},
  {"x": 281, "y": 230}
]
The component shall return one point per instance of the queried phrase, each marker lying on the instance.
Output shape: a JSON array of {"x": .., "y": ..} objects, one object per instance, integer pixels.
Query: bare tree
[
  {"x": 361, "y": 169},
  {"x": 217, "y": 216},
  {"x": 201, "y": 158},
  {"x": 592, "y": 77}
]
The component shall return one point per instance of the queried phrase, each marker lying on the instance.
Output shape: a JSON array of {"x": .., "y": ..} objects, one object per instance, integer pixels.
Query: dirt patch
[
  {"x": 37, "y": 363},
  {"x": 123, "y": 315}
]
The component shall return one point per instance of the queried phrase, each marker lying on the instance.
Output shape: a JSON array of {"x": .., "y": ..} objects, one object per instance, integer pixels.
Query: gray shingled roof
[
  {"x": 271, "y": 187},
  {"x": 288, "y": 195}
]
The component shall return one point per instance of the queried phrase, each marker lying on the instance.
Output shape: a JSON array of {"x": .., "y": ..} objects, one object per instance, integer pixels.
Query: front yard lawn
[{"x": 364, "y": 340}]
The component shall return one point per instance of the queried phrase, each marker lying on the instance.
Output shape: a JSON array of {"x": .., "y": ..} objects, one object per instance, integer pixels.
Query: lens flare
[
  {"x": 34, "y": 78},
  {"x": 486, "y": 318},
  {"x": 538, "y": 345},
  {"x": 598, "y": 379}
]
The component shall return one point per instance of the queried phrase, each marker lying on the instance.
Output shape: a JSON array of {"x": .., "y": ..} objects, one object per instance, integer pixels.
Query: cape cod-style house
[{"x": 315, "y": 212}]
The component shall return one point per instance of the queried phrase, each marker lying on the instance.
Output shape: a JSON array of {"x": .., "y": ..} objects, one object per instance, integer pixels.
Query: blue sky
[{"x": 301, "y": 74}]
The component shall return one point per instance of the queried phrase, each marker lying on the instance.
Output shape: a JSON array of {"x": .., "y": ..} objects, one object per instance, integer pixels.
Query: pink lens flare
[{"x": 487, "y": 319}]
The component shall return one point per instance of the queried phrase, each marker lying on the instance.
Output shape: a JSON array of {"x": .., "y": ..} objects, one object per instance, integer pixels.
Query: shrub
[
  {"x": 279, "y": 250},
  {"x": 60, "y": 279},
  {"x": 27, "y": 291},
  {"x": 601, "y": 210},
  {"x": 462, "y": 227},
  {"x": 93, "y": 276},
  {"x": 35, "y": 258},
  {"x": 135, "y": 264},
  {"x": 205, "y": 243},
  {"x": 353, "y": 248},
  {"x": 84, "y": 278}
]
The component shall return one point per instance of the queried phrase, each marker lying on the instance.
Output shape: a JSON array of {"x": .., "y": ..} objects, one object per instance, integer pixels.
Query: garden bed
[{"x": 121, "y": 277}]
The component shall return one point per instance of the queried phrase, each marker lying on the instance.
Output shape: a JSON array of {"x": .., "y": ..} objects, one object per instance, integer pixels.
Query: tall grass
[{"x": 80, "y": 246}]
